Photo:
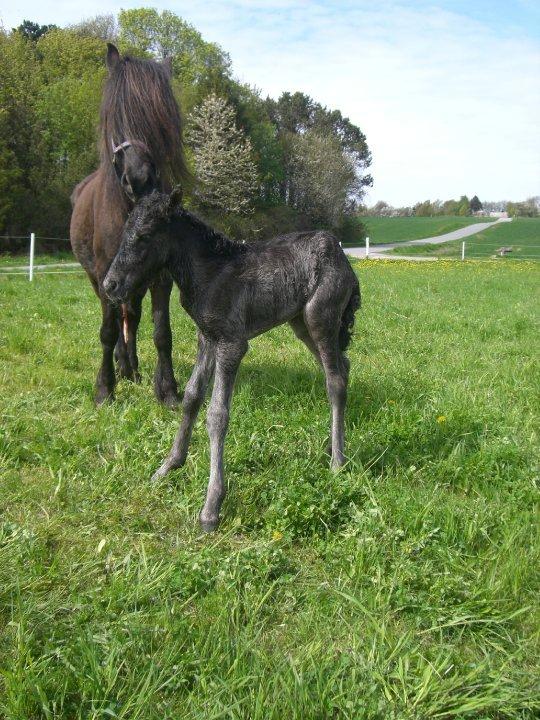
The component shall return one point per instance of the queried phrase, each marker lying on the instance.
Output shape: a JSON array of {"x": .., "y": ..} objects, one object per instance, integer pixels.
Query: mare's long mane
[{"x": 139, "y": 105}]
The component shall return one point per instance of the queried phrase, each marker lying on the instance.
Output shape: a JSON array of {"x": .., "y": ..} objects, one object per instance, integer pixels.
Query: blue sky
[{"x": 448, "y": 93}]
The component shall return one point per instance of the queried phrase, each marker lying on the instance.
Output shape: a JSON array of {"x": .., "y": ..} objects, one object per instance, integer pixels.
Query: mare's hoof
[
  {"x": 209, "y": 526},
  {"x": 133, "y": 376},
  {"x": 172, "y": 401},
  {"x": 103, "y": 396},
  {"x": 169, "y": 398}
]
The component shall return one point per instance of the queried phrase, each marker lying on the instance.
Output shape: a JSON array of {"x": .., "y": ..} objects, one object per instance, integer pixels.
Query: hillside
[
  {"x": 399, "y": 229},
  {"x": 522, "y": 235}
]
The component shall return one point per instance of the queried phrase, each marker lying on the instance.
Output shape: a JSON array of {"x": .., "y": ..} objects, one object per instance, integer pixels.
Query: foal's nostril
[{"x": 110, "y": 286}]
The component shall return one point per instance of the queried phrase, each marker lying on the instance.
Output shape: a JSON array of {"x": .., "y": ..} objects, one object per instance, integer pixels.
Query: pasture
[
  {"x": 406, "y": 586},
  {"x": 522, "y": 235},
  {"x": 399, "y": 229}
]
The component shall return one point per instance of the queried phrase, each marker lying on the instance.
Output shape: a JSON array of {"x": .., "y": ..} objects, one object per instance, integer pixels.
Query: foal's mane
[
  {"x": 212, "y": 240},
  {"x": 156, "y": 207},
  {"x": 139, "y": 105}
]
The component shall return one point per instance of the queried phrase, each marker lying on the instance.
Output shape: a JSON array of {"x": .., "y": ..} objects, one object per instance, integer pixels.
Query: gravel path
[{"x": 378, "y": 251}]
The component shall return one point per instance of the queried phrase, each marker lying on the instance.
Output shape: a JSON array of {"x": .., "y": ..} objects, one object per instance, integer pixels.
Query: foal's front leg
[
  {"x": 228, "y": 358},
  {"x": 193, "y": 399}
]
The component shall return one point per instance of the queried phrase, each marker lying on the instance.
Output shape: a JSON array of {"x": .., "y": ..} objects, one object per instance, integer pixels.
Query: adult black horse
[{"x": 140, "y": 151}]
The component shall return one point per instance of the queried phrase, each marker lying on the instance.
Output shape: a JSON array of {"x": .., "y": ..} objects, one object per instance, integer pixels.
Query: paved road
[{"x": 378, "y": 251}]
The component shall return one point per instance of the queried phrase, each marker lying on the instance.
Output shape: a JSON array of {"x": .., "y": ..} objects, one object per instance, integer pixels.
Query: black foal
[{"x": 234, "y": 292}]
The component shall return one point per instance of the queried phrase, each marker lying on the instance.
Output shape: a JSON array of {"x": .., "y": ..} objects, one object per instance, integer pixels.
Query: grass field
[
  {"x": 522, "y": 235},
  {"x": 386, "y": 230},
  {"x": 404, "y": 587}
]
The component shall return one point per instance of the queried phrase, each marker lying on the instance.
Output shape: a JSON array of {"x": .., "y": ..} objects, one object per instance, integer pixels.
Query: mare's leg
[
  {"x": 193, "y": 399},
  {"x": 228, "y": 358},
  {"x": 125, "y": 352},
  {"x": 165, "y": 386},
  {"x": 134, "y": 311},
  {"x": 108, "y": 334},
  {"x": 323, "y": 324}
]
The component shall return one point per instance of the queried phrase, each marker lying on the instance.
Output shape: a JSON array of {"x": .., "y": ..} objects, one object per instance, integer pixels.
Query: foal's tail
[{"x": 347, "y": 319}]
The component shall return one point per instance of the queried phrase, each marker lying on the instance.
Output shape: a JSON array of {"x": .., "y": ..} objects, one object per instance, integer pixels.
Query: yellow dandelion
[
  {"x": 276, "y": 535},
  {"x": 441, "y": 419}
]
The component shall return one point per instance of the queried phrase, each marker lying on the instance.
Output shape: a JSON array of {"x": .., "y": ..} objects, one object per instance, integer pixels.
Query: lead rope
[{"x": 125, "y": 322}]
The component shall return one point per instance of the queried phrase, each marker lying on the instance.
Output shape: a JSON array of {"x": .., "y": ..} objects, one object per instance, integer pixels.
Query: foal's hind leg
[
  {"x": 228, "y": 358},
  {"x": 108, "y": 334},
  {"x": 165, "y": 386},
  {"x": 193, "y": 399},
  {"x": 336, "y": 388},
  {"x": 324, "y": 329},
  {"x": 302, "y": 333}
]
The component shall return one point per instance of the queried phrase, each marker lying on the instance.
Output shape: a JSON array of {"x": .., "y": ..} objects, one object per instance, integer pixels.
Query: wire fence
[
  {"x": 469, "y": 250},
  {"x": 466, "y": 250},
  {"x": 49, "y": 267}
]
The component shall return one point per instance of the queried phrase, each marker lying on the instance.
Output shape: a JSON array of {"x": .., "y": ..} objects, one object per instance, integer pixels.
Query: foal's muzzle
[{"x": 114, "y": 289}]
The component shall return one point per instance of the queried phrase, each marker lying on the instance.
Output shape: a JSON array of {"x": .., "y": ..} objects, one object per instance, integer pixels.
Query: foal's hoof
[
  {"x": 209, "y": 526},
  {"x": 160, "y": 473}
]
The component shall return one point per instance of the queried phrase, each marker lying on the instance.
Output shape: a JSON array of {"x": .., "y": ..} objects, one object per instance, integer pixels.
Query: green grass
[
  {"x": 522, "y": 235},
  {"x": 404, "y": 587},
  {"x": 399, "y": 229}
]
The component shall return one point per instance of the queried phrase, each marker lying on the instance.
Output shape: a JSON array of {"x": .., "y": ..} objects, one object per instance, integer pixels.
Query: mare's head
[
  {"x": 141, "y": 128},
  {"x": 145, "y": 246}
]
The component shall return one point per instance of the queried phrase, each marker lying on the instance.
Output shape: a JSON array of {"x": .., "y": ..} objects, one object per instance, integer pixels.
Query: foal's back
[{"x": 272, "y": 281}]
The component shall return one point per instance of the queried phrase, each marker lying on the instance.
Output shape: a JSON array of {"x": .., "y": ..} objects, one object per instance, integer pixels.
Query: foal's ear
[
  {"x": 113, "y": 56},
  {"x": 167, "y": 66},
  {"x": 175, "y": 199}
]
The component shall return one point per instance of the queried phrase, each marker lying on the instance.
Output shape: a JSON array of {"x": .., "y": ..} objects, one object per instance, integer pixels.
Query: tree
[
  {"x": 528, "y": 208},
  {"x": 475, "y": 204},
  {"x": 195, "y": 61},
  {"x": 19, "y": 129},
  {"x": 226, "y": 174},
  {"x": 323, "y": 178},
  {"x": 463, "y": 206},
  {"x": 103, "y": 27},
  {"x": 32, "y": 31},
  {"x": 296, "y": 114}
]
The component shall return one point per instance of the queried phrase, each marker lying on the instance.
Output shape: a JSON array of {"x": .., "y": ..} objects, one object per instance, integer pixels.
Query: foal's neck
[
  {"x": 192, "y": 238},
  {"x": 198, "y": 253}
]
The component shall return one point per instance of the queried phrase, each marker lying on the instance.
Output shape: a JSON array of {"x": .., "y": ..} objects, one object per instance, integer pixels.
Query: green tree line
[
  {"x": 463, "y": 206},
  {"x": 303, "y": 164}
]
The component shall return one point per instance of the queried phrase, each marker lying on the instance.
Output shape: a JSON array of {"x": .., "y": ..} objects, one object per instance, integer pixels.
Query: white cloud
[{"x": 449, "y": 104}]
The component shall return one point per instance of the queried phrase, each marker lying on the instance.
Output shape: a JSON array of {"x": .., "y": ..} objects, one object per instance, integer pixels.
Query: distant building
[{"x": 498, "y": 214}]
